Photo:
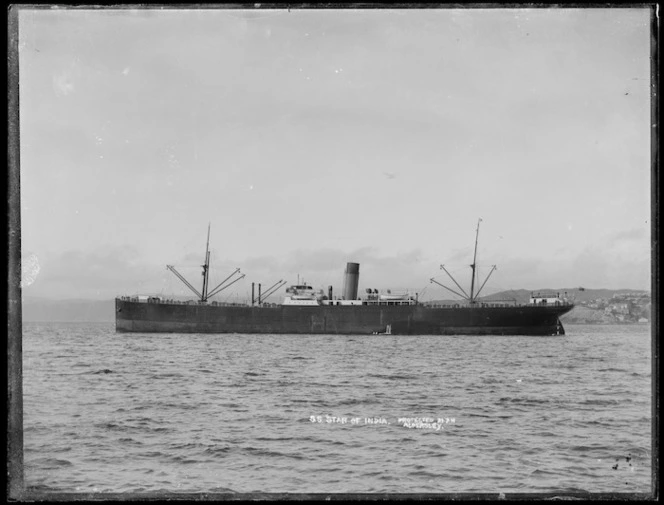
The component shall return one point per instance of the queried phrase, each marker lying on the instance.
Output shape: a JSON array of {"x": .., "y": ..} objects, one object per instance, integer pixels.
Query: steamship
[{"x": 308, "y": 311}]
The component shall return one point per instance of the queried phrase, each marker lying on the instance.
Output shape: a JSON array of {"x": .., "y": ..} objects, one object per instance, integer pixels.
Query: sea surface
[{"x": 133, "y": 413}]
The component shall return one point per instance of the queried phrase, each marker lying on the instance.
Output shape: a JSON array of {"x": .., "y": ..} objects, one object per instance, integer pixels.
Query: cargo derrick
[
  {"x": 472, "y": 298},
  {"x": 204, "y": 295}
]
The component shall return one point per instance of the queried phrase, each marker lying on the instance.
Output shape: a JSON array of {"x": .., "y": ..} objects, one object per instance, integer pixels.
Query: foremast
[
  {"x": 205, "y": 293},
  {"x": 472, "y": 298},
  {"x": 206, "y": 268},
  {"x": 472, "y": 280}
]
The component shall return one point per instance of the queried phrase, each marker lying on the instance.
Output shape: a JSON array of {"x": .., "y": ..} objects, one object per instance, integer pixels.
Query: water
[{"x": 108, "y": 412}]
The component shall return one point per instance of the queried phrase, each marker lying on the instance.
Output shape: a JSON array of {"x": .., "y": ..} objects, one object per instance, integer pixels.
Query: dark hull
[{"x": 140, "y": 317}]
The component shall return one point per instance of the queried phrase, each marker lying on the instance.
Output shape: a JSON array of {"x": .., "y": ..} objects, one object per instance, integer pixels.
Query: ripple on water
[{"x": 197, "y": 413}]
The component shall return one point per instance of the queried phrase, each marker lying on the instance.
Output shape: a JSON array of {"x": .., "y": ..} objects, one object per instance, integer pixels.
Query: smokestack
[
  {"x": 351, "y": 281},
  {"x": 329, "y": 292}
]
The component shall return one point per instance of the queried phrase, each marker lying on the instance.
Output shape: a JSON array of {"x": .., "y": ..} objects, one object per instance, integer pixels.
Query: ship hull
[{"x": 140, "y": 317}]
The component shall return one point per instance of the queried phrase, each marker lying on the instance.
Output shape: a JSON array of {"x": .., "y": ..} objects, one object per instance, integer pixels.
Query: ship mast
[
  {"x": 472, "y": 280},
  {"x": 472, "y": 299},
  {"x": 206, "y": 268},
  {"x": 205, "y": 294}
]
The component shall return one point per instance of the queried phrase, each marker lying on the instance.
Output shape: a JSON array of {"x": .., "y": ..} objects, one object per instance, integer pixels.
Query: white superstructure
[
  {"x": 305, "y": 295},
  {"x": 546, "y": 299}
]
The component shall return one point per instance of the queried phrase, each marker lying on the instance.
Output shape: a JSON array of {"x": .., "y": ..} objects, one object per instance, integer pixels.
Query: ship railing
[
  {"x": 170, "y": 301},
  {"x": 371, "y": 301},
  {"x": 491, "y": 305}
]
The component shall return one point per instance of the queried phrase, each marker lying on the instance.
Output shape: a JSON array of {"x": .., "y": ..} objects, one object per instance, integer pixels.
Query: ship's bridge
[{"x": 546, "y": 298}]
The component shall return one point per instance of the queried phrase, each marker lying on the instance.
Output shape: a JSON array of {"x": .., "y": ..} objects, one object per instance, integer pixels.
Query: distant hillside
[
  {"x": 593, "y": 306},
  {"x": 584, "y": 315},
  {"x": 574, "y": 294}
]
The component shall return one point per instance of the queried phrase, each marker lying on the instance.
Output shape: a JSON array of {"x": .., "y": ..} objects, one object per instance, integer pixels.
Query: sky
[{"x": 306, "y": 139}]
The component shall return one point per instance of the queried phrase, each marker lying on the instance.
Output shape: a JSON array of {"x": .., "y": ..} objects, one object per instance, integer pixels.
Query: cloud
[
  {"x": 631, "y": 236},
  {"x": 102, "y": 273},
  {"x": 325, "y": 266},
  {"x": 621, "y": 260},
  {"x": 199, "y": 122}
]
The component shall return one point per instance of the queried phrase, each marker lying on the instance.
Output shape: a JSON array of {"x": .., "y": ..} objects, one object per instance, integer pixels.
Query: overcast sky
[{"x": 311, "y": 138}]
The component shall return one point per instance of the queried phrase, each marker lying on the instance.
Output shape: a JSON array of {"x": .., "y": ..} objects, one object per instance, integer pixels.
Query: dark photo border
[{"x": 16, "y": 489}]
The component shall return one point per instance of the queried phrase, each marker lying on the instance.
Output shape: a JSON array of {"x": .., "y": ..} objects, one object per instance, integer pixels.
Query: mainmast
[
  {"x": 206, "y": 268},
  {"x": 472, "y": 299},
  {"x": 472, "y": 280}
]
